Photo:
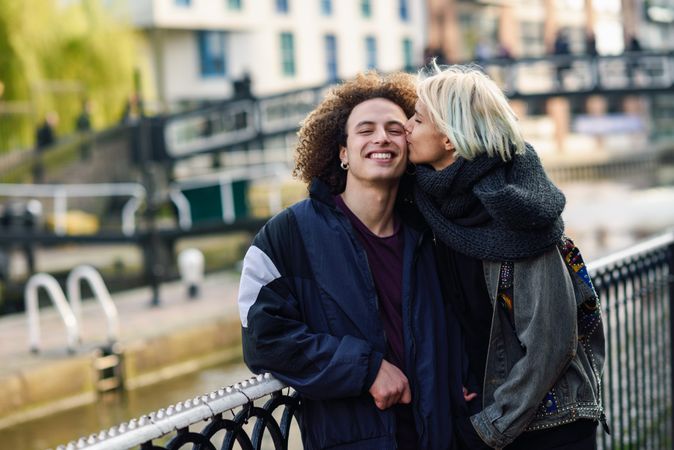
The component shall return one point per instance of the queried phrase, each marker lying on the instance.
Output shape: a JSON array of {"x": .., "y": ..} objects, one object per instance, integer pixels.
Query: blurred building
[
  {"x": 475, "y": 30},
  {"x": 522, "y": 28},
  {"x": 199, "y": 49},
  {"x": 464, "y": 30}
]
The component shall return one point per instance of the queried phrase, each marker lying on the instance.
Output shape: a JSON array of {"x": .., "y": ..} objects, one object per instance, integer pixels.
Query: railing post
[{"x": 60, "y": 211}]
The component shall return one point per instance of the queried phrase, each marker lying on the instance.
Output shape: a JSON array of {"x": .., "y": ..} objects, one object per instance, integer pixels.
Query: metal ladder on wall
[
  {"x": 49, "y": 283},
  {"x": 108, "y": 360}
]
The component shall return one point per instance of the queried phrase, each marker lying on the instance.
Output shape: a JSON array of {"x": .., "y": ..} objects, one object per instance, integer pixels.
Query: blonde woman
[{"x": 498, "y": 227}]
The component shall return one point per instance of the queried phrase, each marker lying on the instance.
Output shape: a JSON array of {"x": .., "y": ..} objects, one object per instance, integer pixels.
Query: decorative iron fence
[
  {"x": 617, "y": 168},
  {"x": 261, "y": 413},
  {"x": 636, "y": 288}
]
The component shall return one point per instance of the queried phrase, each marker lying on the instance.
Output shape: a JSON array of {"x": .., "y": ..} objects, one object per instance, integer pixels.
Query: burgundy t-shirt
[{"x": 385, "y": 258}]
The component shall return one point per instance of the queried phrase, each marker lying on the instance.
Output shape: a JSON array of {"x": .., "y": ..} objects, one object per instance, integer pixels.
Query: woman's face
[{"x": 426, "y": 144}]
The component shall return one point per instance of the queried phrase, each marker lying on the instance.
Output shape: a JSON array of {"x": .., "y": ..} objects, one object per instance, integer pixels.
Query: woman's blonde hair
[{"x": 471, "y": 110}]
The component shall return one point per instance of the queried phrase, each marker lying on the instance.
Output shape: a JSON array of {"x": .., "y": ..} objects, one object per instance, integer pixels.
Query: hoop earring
[
  {"x": 411, "y": 169},
  {"x": 344, "y": 165}
]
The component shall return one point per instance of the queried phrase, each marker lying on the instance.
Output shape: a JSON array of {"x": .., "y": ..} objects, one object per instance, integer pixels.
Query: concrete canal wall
[{"x": 156, "y": 343}]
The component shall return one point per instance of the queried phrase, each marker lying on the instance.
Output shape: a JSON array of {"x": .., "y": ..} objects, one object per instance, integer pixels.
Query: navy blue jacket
[{"x": 310, "y": 317}]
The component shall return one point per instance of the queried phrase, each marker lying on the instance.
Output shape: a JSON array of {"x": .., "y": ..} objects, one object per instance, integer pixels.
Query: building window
[
  {"x": 287, "y": 54},
  {"x": 326, "y": 7},
  {"x": 404, "y": 10},
  {"x": 212, "y": 53},
  {"x": 532, "y": 38},
  {"x": 366, "y": 8},
  {"x": 370, "y": 52},
  {"x": 480, "y": 36},
  {"x": 234, "y": 4},
  {"x": 183, "y": 2},
  {"x": 282, "y": 6},
  {"x": 331, "y": 56},
  {"x": 408, "y": 64}
]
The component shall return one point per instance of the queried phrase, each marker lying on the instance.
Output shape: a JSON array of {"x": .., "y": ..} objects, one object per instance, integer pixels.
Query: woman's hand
[{"x": 468, "y": 396}]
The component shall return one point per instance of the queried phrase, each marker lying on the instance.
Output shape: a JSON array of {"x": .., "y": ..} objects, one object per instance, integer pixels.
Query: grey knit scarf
[{"x": 490, "y": 209}]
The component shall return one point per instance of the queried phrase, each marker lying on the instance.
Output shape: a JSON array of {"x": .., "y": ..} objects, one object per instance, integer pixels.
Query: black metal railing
[
  {"x": 634, "y": 166},
  {"x": 636, "y": 288},
  {"x": 580, "y": 75},
  {"x": 267, "y": 122}
]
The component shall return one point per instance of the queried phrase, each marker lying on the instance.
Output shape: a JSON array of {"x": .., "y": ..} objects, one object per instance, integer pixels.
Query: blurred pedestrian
[
  {"x": 132, "y": 111},
  {"x": 482, "y": 51},
  {"x": 83, "y": 121},
  {"x": 503, "y": 52},
  {"x": 633, "y": 44},
  {"x": 561, "y": 45},
  {"x": 591, "y": 44},
  {"x": 632, "y": 63},
  {"x": 242, "y": 86},
  {"x": 561, "y": 48},
  {"x": 83, "y": 127},
  {"x": 45, "y": 136}
]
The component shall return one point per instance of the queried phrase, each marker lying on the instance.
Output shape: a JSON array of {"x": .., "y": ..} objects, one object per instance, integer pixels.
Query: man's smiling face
[{"x": 376, "y": 145}]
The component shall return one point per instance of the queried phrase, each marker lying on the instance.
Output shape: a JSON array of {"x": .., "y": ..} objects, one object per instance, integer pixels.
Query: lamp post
[{"x": 154, "y": 268}]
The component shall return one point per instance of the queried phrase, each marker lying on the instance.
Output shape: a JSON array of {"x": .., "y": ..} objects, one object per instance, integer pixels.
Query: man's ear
[{"x": 448, "y": 144}]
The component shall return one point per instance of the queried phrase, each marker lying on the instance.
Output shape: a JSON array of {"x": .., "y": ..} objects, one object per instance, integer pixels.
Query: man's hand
[{"x": 390, "y": 386}]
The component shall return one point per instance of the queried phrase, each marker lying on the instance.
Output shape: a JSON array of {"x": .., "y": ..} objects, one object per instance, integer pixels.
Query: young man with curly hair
[{"x": 339, "y": 297}]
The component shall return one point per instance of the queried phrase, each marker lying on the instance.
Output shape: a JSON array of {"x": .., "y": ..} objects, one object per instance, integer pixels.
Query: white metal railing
[
  {"x": 183, "y": 206},
  {"x": 101, "y": 293},
  {"x": 58, "y": 298},
  {"x": 60, "y": 193},
  {"x": 191, "y": 411},
  {"x": 570, "y": 73}
]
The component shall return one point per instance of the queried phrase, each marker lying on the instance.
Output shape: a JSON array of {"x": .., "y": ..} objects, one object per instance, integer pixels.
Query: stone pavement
[{"x": 155, "y": 339}]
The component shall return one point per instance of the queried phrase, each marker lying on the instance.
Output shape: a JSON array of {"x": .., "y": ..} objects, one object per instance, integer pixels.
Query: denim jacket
[{"x": 543, "y": 368}]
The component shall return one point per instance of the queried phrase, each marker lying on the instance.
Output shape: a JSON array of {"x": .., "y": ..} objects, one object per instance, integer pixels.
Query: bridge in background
[
  {"x": 254, "y": 123},
  {"x": 269, "y": 122}
]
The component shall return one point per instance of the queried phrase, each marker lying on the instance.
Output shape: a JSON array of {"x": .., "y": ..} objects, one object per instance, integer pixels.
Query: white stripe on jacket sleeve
[{"x": 258, "y": 271}]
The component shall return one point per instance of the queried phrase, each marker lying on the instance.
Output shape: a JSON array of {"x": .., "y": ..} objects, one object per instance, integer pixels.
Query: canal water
[{"x": 64, "y": 427}]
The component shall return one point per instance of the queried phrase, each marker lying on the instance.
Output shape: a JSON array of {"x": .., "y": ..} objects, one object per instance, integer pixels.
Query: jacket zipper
[
  {"x": 415, "y": 398},
  {"x": 349, "y": 229}
]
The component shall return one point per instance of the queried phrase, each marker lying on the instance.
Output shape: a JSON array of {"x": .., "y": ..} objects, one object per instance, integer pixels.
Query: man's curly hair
[{"x": 324, "y": 130}]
